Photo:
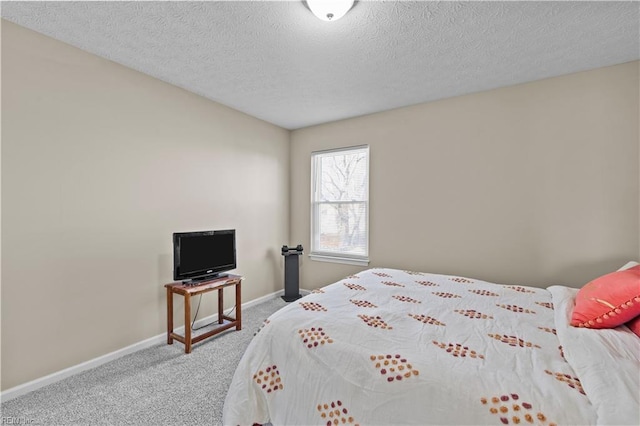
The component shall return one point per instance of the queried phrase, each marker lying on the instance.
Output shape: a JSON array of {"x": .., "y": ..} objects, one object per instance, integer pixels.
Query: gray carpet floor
[{"x": 160, "y": 385}]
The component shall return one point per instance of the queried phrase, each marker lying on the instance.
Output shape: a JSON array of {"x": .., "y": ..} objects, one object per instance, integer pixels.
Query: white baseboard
[{"x": 25, "y": 388}]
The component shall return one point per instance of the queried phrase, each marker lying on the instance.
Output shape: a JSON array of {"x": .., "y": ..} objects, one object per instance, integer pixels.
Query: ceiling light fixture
[{"x": 330, "y": 10}]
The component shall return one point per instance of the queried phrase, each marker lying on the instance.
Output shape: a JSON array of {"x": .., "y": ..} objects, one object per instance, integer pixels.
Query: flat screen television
[{"x": 203, "y": 255}]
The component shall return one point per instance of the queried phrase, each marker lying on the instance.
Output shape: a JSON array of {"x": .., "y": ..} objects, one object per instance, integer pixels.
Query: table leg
[
  {"x": 220, "y": 306},
  {"x": 187, "y": 323},
  {"x": 169, "y": 316},
  {"x": 238, "y": 306}
]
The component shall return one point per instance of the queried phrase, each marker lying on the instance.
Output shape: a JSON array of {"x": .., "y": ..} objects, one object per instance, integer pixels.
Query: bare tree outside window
[{"x": 340, "y": 202}]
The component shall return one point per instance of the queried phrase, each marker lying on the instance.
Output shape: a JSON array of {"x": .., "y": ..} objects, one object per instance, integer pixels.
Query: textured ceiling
[{"x": 277, "y": 62}]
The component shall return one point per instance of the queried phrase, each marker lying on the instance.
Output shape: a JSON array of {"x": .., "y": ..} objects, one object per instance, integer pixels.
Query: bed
[{"x": 394, "y": 347}]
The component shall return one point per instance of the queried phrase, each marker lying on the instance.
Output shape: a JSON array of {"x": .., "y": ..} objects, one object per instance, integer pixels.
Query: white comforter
[{"x": 395, "y": 347}]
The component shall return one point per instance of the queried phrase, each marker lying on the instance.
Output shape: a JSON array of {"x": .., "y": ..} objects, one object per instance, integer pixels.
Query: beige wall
[
  {"x": 535, "y": 184},
  {"x": 100, "y": 164}
]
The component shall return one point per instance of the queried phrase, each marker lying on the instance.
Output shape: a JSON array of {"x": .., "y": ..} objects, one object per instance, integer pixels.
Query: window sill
[{"x": 338, "y": 259}]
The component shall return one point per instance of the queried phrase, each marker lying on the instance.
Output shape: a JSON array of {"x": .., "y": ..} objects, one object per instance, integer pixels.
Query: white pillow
[{"x": 629, "y": 265}]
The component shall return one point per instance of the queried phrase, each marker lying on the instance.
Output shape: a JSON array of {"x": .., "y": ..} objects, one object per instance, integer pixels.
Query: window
[{"x": 340, "y": 205}]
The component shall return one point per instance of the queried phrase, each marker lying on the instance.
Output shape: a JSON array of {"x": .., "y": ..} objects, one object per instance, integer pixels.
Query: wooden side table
[{"x": 191, "y": 290}]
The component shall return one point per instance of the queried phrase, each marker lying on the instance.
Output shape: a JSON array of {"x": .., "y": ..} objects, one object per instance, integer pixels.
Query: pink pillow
[
  {"x": 609, "y": 300},
  {"x": 634, "y": 325}
]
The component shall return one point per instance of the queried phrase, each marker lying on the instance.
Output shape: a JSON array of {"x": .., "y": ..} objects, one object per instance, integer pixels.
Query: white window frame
[{"x": 336, "y": 257}]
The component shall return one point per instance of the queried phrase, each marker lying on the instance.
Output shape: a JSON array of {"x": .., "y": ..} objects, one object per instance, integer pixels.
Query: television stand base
[{"x": 202, "y": 280}]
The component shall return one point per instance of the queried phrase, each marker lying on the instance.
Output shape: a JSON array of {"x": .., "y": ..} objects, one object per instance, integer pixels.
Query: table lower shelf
[{"x": 219, "y": 328}]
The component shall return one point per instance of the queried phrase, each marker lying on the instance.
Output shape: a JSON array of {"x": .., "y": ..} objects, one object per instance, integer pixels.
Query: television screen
[{"x": 203, "y": 255}]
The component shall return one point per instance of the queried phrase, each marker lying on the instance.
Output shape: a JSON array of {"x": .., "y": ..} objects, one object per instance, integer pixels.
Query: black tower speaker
[{"x": 291, "y": 273}]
